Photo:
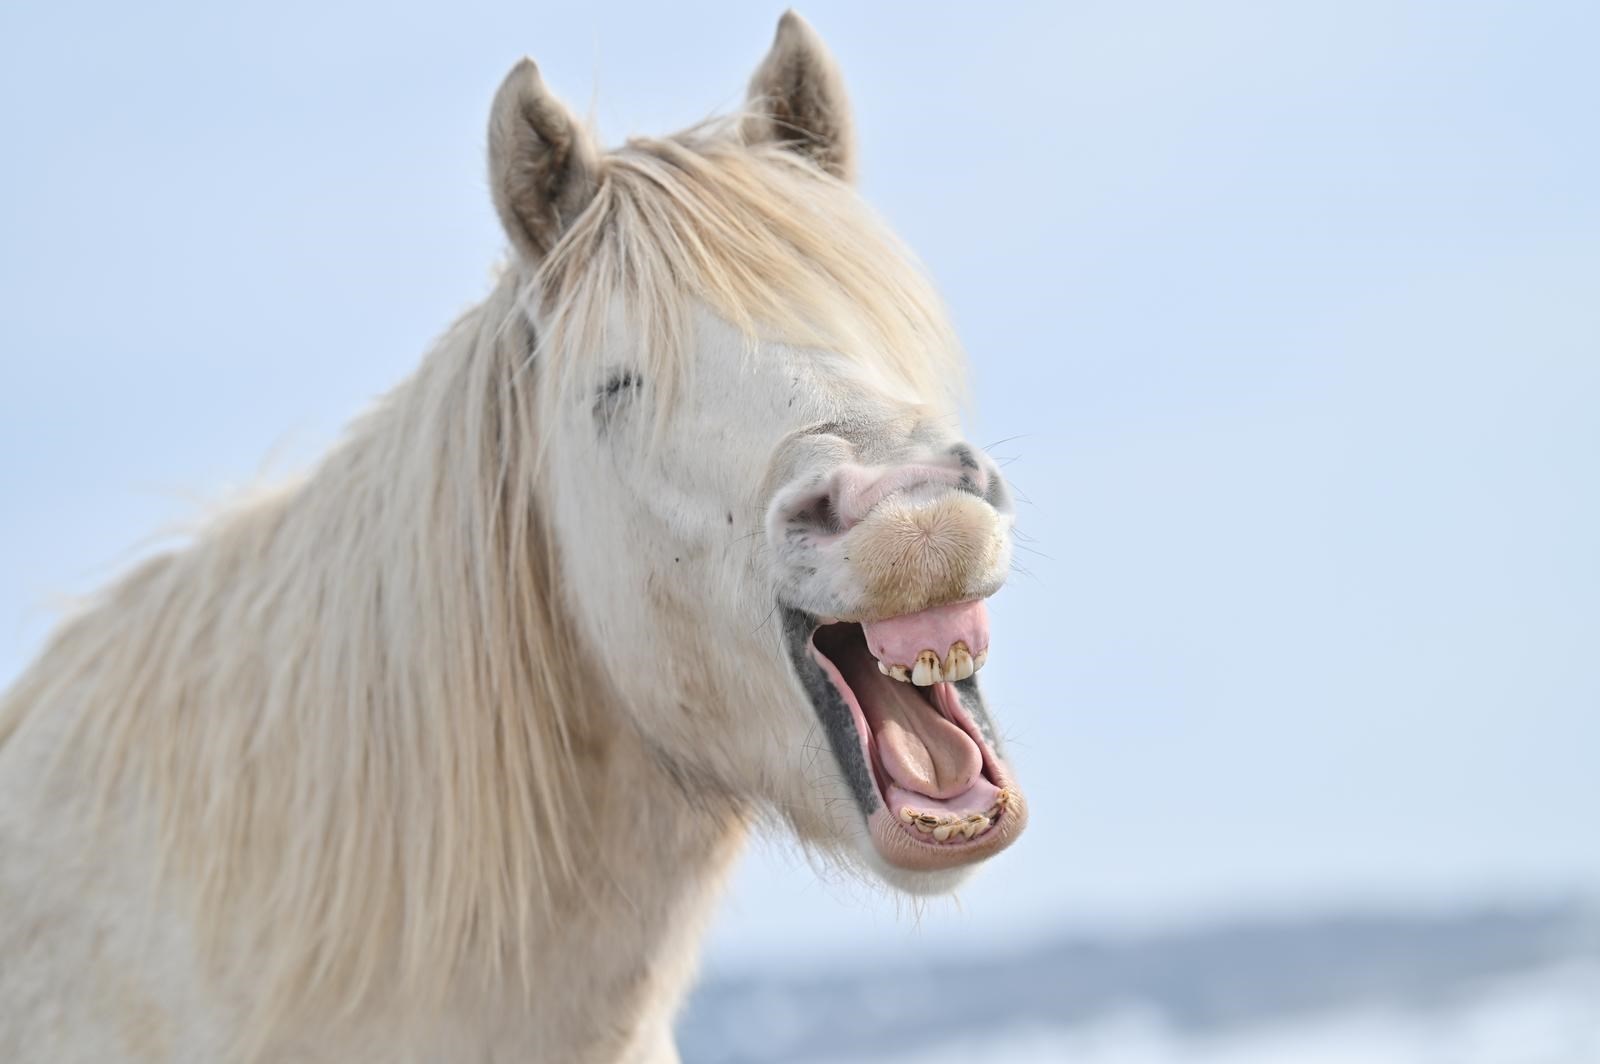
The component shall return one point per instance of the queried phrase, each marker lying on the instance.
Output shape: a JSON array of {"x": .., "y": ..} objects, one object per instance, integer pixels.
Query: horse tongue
[{"x": 918, "y": 746}]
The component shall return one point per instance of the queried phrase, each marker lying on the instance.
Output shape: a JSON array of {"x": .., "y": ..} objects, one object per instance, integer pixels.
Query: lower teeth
[{"x": 945, "y": 826}]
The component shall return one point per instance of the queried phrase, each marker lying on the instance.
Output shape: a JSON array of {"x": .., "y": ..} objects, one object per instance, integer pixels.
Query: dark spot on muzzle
[{"x": 972, "y": 478}]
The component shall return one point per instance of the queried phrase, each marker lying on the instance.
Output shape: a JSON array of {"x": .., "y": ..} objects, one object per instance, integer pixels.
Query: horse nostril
[
  {"x": 826, "y": 516},
  {"x": 817, "y": 514}
]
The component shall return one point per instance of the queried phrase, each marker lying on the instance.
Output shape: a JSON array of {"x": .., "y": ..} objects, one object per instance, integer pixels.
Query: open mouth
[{"x": 908, "y": 724}]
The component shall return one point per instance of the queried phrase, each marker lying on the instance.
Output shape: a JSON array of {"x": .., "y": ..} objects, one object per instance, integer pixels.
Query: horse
[{"x": 443, "y": 750}]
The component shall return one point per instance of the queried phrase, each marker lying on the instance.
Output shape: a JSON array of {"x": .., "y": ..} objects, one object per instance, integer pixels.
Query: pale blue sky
[{"x": 1293, "y": 310}]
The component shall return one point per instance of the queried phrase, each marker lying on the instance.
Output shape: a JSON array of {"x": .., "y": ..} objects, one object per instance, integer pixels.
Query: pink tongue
[
  {"x": 917, "y": 745},
  {"x": 899, "y": 640}
]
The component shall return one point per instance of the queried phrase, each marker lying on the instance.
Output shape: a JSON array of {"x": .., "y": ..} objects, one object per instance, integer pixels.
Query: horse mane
[
  {"x": 347, "y": 715},
  {"x": 347, "y": 704}
]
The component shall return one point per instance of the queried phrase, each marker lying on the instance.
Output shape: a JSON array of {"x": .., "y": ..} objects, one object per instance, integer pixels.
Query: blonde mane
[
  {"x": 349, "y": 715},
  {"x": 348, "y": 705},
  {"x": 765, "y": 239}
]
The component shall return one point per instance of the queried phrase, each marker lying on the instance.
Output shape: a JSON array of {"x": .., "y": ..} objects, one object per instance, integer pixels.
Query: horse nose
[
  {"x": 845, "y": 497},
  {"x": 869, "y": 542}
]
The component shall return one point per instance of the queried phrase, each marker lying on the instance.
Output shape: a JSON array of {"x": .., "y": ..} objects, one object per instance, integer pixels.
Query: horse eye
[{"x": 620, "y": 387}]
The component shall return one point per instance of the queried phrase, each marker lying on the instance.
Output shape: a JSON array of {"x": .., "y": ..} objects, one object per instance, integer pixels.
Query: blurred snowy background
[
  {"x": 1481, "y": 987},
  {"x": 1284, "y": 317}
]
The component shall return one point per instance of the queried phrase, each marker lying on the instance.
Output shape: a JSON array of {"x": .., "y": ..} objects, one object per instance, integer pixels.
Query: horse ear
[
  {"x": 797, "y": 98},
  {"x": 543, "y": 165}
]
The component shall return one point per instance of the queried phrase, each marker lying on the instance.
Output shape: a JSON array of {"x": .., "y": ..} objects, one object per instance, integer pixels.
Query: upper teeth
[{"x": 958, "y": 664}]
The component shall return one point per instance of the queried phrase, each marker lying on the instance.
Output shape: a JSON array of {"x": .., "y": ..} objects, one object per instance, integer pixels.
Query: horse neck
[{"x": 624, "y": 942}]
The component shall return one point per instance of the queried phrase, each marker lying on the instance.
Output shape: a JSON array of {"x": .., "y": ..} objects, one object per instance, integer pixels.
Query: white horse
[{"x": 442, "y": 752}]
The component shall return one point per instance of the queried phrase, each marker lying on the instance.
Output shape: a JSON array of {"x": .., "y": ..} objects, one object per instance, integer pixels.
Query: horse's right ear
[
  {"x": 543, "y": 165},
  {"x": 797, "y": 98}
]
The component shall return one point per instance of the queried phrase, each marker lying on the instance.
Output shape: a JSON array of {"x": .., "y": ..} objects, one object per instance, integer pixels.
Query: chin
[{"x": 931, "y": 884}]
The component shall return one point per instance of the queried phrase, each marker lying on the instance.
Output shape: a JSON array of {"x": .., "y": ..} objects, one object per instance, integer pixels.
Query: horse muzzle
[{"x": 866, "y": 543}]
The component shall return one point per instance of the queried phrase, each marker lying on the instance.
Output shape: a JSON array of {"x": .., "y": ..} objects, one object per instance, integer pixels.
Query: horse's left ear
[
  {"x": 543, "y": 165},
  {"x": 797, "y": 98}
]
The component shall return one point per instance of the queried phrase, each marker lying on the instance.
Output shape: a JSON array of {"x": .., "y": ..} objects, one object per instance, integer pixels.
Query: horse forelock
[{"x": 759, "y": 236}]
